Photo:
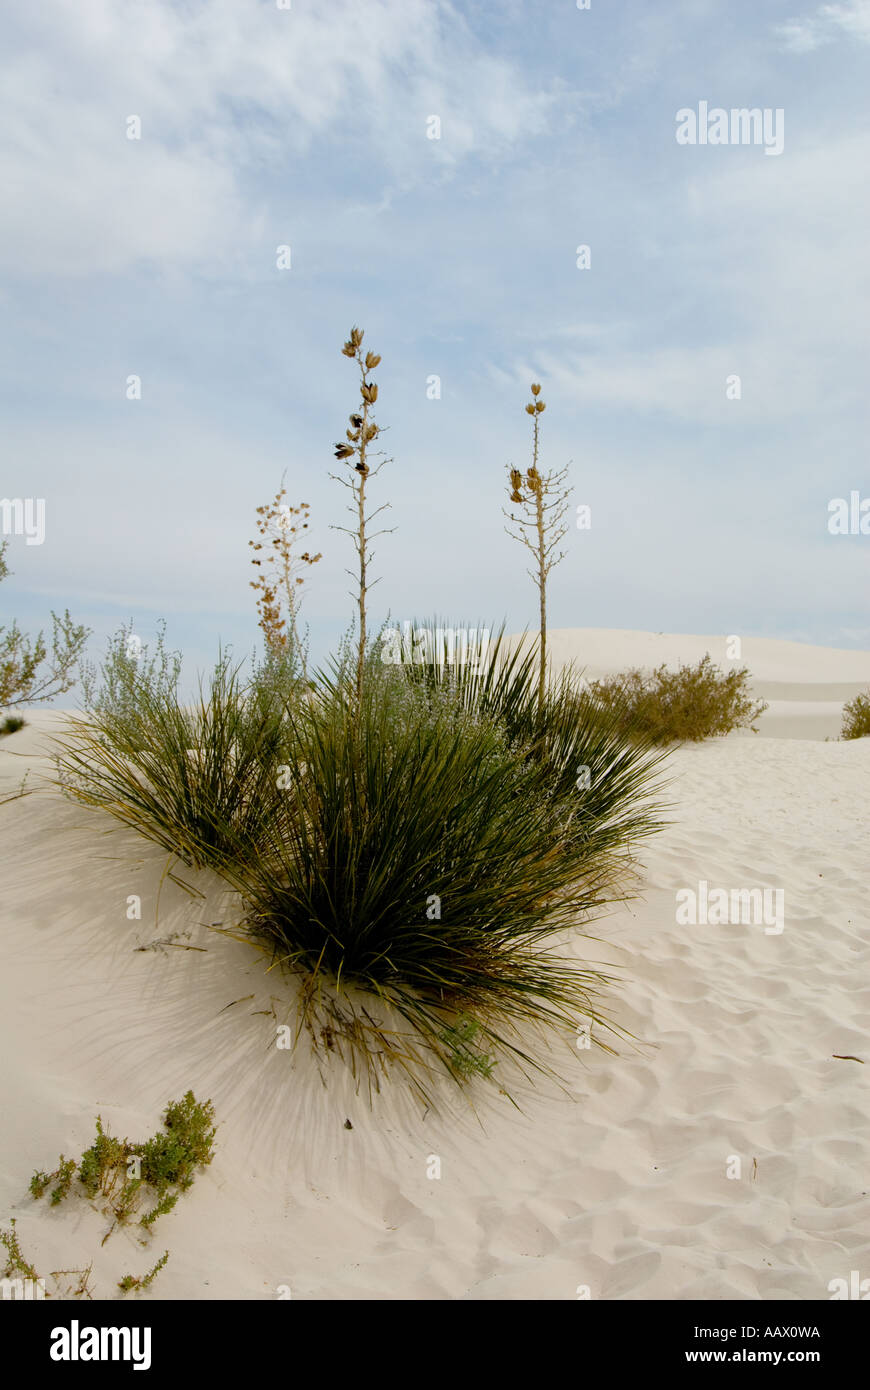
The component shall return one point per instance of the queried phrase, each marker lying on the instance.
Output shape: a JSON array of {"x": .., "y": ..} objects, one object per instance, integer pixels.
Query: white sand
[{"x": 620, "y": 1186}]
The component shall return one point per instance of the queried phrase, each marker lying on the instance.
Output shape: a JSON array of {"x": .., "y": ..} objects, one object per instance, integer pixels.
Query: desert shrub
[
  {"x": 422, "y": 839},
  {"x": 171, "y": 1159},
  {"x": 132, "y": 1281},
  {"x": 15, "y": 1262},
  {"x": 191, "y": 777},
  {"x": 419, "y": 859},
  {"x": 608, "y": 783},
  {"x": 686, "y": 705},
  {"x": 120, "y": 1173},
  {"x": 31, "y": 671},
  {"x": 856, "y": 717},
  {"x": 132, "y": 678},
  {"x": 118, "y": 1176},
  {"x": 101, "y": 1164},
  {"x": 11, "y": 724},
  {"x": 65, "y": 1174}
]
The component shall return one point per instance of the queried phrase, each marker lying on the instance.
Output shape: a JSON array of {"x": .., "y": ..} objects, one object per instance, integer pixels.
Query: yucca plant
[
  {"x": 192, "y": 777},
  {"x": 420, "y": 865},
  {"x": 608, "y": 780}
]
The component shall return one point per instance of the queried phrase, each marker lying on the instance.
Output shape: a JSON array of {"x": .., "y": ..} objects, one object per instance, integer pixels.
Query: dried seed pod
[{"x": 536, "y": 390}]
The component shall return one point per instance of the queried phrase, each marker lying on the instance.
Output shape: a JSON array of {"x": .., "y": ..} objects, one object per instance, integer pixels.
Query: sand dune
[{"x": 619, "y": 1186}]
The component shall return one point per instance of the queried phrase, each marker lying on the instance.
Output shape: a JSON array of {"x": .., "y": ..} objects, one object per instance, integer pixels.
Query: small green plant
[
  {"x": 132, "y": 1281},
  {"x": 15, "y": 1261},
  {"x": 39, "y": 1182},
  {"x": 463, "y": 1055},
  {"x": 171, "y": 1159},
  {"x": 163, "y": 1207},
  {"x": 101, "y": 1164},
  {"x": 856, "y": 717},
  {"x": 686, "y": 705},
  {"x": 65, "y": 1173},
  {"x": 11, "y": 724},
  {"x": 119, "y": 1171}
]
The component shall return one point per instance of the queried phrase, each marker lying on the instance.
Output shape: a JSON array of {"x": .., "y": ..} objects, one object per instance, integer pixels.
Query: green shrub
[
  {"x": 15, "y": 1263},
  {"x": 466, "y": 1058},
  {"x": 192, "y": 778},
  {"x": 11, "y": 724},
  {"x": 39, "y": 1182},
  {"x": 31, "y": 672},
  {"x": 686, "y": 705},
  {"x": 65, "y": 1174},
  {"x": 101, "y": 1164},
  {"x": 424, "y": 844},
  {"x": 609, "y": 784},
  {"x": 420, "y": 859},
  {"x": 856, "y": 717},
  {"x": 169, "y": 1159}
]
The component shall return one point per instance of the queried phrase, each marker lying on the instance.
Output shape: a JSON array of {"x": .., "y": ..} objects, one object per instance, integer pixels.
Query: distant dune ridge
[{"x": 723, "y": 1158}]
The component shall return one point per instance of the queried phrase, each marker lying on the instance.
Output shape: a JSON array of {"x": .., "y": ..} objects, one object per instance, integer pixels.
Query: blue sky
[{"x": 263, "y": 127}]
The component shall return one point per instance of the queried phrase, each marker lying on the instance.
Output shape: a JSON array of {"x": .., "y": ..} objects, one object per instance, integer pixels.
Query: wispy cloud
[
  {"x": 824, "y": 25},
  {"x": 230, "y": 94}
]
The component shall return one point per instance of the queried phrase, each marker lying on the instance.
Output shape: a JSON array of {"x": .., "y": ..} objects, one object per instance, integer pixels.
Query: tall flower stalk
[
  {"x": 544, "y": 502},
  {"x": 279, "y": 577},
  {"x": 355, "y": 451}
]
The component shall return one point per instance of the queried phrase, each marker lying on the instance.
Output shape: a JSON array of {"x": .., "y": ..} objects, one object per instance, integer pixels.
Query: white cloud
[
  {"x": 854, "y": 18},
  {"x": 802, "y": 35},
  {"x": 812, "y": 31},
  {"x": 228, "y": 91}
]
